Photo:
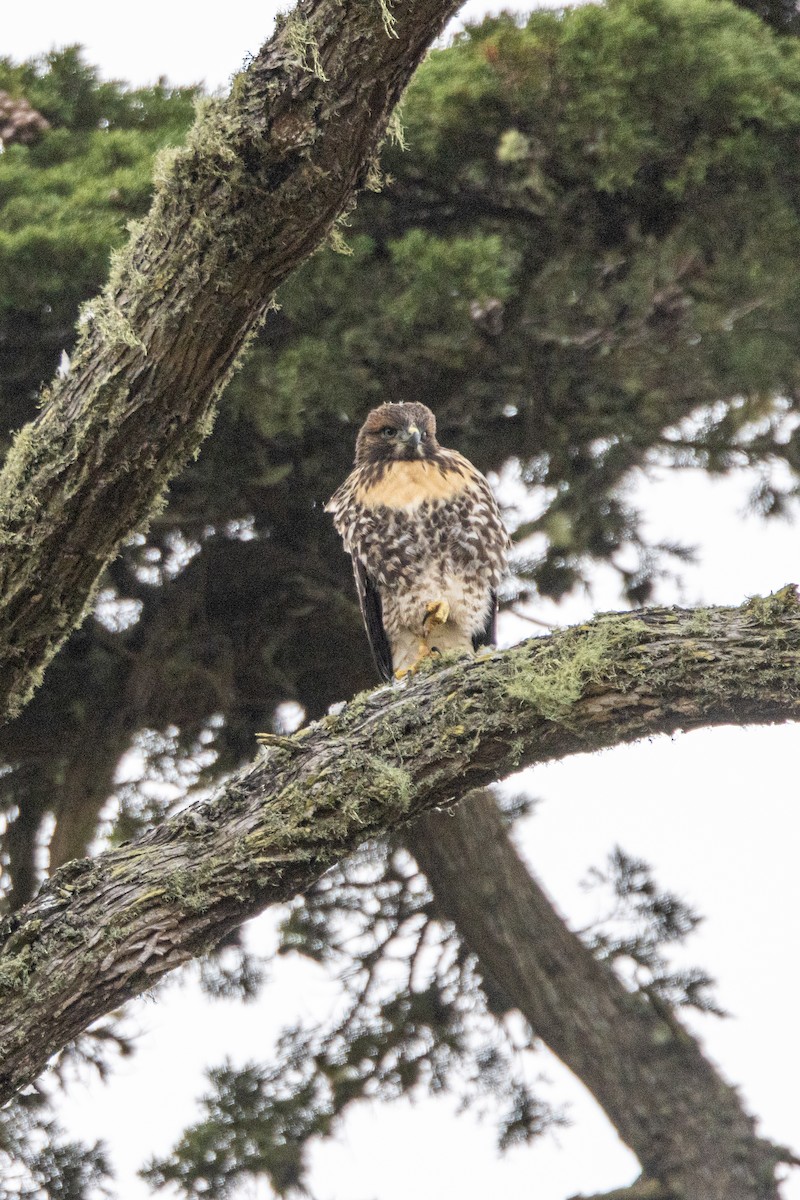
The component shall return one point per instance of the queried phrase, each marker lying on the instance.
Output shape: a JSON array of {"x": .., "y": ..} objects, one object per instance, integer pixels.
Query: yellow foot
[
  {"x": 423, "y": 652},
  {"x": 404, "y": 672},
  {"x": 437, "y": 612}
]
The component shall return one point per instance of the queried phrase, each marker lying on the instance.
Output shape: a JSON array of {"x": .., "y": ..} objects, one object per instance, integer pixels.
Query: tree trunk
[
  {"x": 258, "y": 187},
  {"x": 686, "y": 1126},
  {"x": 103, "y": 930}
]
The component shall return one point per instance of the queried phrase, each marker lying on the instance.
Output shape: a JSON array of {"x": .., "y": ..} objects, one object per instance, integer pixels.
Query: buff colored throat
[{"x": 408, "y": 484}]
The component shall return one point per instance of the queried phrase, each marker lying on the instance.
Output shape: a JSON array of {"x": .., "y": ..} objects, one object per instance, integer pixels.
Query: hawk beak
[{"x": 411, "y": 435}]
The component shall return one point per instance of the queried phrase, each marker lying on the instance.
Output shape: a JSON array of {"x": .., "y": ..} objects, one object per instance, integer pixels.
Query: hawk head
[{"x": 397, "y": 431}]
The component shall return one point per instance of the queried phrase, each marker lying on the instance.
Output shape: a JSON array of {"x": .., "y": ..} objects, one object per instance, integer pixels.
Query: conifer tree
[{"x": 584, "y": 269}]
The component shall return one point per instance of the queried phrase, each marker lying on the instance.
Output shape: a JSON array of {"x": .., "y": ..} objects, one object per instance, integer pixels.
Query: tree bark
[
  {"x": 103, "y": 930},
  {"x": 258, "y": 187},
  {"x": 686, "y": 1126}
]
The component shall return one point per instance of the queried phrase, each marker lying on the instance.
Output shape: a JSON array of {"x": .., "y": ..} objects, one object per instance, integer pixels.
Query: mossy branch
[
  {"x": 642, "y": 1189},
  {"x": 104, "y": 930},
  {"x": 258, "y": 187}
]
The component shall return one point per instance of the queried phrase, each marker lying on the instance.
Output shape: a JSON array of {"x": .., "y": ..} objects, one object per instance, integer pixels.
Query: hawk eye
[
  {"x": 388, "y": 431},
  {"x": 423, "y": 435}
]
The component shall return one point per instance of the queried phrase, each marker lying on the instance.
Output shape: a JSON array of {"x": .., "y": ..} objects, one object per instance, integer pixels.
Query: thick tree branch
[
  {"x": 642, "y": 1189},
  {"x": 103, "y": 930},
  {"x": 686, "y": 1126},
  {"x": 258, "y": 187}
]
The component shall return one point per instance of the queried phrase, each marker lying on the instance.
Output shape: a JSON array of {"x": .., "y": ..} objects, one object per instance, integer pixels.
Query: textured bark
[
  {"x": 103, "y": 930},
  {"x": 642, "y": 1189},
  {"x": 258, "y": 187},
  {"x": 686, "y": 1126}
]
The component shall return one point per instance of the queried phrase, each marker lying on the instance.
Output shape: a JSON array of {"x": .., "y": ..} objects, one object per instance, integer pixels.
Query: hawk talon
[
  {"x": 437, "y": 612},
  {"x": 423, "y": 652}
]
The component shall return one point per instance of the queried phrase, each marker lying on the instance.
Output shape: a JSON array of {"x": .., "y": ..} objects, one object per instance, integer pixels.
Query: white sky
[
  {"x": 182, "y": 41},
  {"x": 727, "y": 795}
]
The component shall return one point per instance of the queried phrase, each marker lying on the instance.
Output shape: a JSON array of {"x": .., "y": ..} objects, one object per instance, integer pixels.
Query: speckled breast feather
[{"x": 424, "y": 531}]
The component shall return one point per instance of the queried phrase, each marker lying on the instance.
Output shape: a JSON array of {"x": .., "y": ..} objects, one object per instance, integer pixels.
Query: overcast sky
[
  {"x": 727, "y": 797},
  {"x": 187, "y": 43}
]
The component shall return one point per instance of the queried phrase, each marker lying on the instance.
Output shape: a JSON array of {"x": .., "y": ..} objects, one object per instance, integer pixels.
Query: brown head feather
[{"x": 383, "y": 438}]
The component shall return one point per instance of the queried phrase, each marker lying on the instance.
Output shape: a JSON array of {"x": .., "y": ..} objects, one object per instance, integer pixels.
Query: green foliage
[
  {"x": 415, "y": 1019},
  {"x": 439, "y": 279},
  {"x": 65, "y": 201},
  {"x": 70, "y": 94},
  {"x": 231, "y": 973},
  {"x": 586, "y": 262},
  {"x": 418, "y": 1017},
  {"x": 642, "y": 922},
  {"x": 781, "y": 15},
  {"x": 38, "y": 1163},
  {"x": 628, "y": 174}
]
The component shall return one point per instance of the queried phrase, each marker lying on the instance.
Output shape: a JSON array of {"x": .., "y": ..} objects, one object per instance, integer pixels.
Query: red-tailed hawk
[{"x": 426, "y": 537}]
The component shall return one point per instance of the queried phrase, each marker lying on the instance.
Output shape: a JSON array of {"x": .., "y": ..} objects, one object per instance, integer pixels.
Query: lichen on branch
[{"x": 103, "y": 930}]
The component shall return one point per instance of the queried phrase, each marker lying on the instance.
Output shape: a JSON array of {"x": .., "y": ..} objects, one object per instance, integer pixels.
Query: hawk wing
[
  {"x": 496, "y": 544},
  {"x": 372, "y": 611}
]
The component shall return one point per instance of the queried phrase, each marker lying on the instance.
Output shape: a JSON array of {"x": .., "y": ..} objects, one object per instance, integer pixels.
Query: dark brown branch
[
  {"x": 258, "y": 187},
  {"x": 686, "y": 1126},
  {"x": 641, "y": 1189},
  {"x": 103, "y": 930}
]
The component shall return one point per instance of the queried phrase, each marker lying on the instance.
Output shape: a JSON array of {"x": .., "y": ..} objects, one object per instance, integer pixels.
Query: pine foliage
[{"x": 585, "y": 261}]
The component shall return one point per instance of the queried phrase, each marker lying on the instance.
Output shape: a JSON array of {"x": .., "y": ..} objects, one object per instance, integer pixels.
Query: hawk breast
[
  {"x": 431, "y": 518},
  {"x": 422, "y": 531}
]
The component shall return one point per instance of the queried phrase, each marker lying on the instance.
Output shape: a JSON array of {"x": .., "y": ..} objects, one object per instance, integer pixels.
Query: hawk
[{"x": 426, "y": 537}]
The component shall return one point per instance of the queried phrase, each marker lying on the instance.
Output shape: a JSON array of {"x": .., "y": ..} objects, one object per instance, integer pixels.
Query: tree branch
[
  {"x": 640, "y": 1189},
  {"x": 257, "y": 188},
  {"x": 104, "y": 930},
  {"x": 686, "y": 1126}
]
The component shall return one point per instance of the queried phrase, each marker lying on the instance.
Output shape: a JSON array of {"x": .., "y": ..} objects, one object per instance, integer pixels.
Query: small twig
[
  {"x": 532, "y": 620},
  {"x": 279, "y": 742}
]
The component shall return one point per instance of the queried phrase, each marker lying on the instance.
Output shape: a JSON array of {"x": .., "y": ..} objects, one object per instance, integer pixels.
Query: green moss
[
  {"x": 191, "y": 887},
  {"x": 763, "y": 610},
  {"x": 112, "y": 323},
  {"x": 554, "y": 677},
  {"x": 391, "y": 786},
  {"x": 17, "y": 501},
  {"x": 691, "y": 653},
  {"x": 164, "y": 165},
  {"x": 395, "y": 129},
  {"x": 516, "y": 751},
  {"x": 438, "y": 662},
  {"x": 375, "y": 179},
  {"x": 15, "y": 970},
  {"x": 211, "y": 138},
  {"x": 336, "y": 238},
  {"x": 305, "y": 818},
  {"x": 302, "y": 44},
  {"x": 389, "y": 23},
  {"x": 699, "y": 624},
  {"x": 351, "y": 714},
  {"x": 26, "y": 934},
  {"x": 155, "y": 893}
]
